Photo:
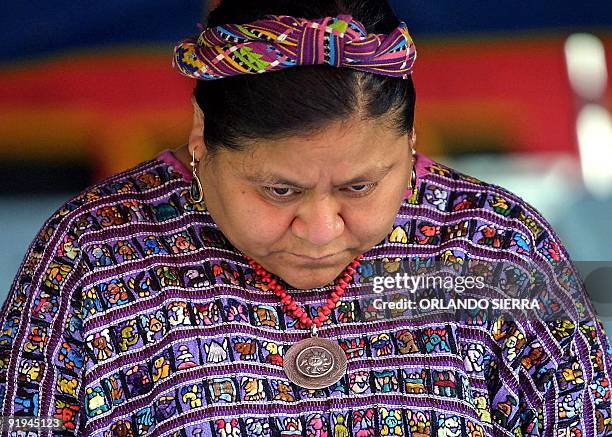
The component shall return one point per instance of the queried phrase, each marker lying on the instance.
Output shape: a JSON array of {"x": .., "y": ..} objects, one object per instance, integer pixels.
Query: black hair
[{"x": 298, "y": 100}]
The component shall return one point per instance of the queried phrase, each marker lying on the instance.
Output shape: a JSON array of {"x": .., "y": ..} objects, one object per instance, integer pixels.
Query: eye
[
  {"x": 360, "y": 189},
  {"x": 280, "y": 192}
]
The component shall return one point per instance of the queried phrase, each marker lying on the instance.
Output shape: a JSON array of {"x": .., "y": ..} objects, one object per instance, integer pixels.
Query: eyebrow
[{"x": 272, "y": 179}]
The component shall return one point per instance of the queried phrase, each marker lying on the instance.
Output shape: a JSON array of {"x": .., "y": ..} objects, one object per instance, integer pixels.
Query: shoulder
[
  {"x": 144, "y": 181},
  {"x": 497, "y": 217},
  {"x": 149, "y": 192},
  {"x": 476, "y": 224}
]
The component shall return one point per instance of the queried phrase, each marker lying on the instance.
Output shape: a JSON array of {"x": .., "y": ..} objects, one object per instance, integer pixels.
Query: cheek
[
  {"x": 261, "y": 226},
  {"x": 266, "y": 229},
  {"x": 369, "y": 227}
]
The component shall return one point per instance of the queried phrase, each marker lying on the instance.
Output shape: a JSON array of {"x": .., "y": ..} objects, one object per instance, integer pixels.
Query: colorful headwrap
[{"x": 281, "y": 41}]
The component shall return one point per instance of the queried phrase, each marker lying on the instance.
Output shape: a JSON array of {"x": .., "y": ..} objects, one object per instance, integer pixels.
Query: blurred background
[{"x": 514, "y": 93}]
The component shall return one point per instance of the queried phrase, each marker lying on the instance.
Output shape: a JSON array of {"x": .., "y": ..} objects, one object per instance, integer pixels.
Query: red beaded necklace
[
  {"x": 313, "y": 362},
  {"x": 292, "y": 308}
]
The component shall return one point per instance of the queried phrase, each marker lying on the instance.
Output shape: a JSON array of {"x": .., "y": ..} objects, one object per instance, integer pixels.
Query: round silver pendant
[{"x": 315, "y": 363}]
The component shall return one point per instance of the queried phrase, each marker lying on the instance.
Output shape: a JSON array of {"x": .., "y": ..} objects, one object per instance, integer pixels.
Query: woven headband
[{"x": 281, "y": 41}]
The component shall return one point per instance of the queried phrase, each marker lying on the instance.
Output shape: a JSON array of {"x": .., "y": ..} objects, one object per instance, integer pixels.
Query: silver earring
[
  {"x": 413, "y": 175},
  {"x": 196, "y": 191},
  {"x": 413, "y": 179}
]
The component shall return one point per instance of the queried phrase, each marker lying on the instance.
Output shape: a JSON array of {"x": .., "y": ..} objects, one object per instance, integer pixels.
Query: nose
[{"x": 318, "y": 221}]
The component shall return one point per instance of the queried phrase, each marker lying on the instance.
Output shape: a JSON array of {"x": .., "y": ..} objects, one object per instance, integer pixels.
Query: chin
[{"x": 312, "y": 279}]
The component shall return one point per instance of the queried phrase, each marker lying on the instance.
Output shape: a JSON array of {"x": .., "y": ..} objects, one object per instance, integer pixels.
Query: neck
[{"x": 182, "y": 154}]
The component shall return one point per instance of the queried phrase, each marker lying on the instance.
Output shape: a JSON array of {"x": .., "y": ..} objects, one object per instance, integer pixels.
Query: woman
[{"x": 224, "y": 288}]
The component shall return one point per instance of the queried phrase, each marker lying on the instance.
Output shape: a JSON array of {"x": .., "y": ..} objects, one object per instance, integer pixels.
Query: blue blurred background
[{"x": 514, "y": 93}]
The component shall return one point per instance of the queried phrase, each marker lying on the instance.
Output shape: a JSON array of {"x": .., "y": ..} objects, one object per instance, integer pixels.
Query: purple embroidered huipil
[{"x": 132, "y": 315}]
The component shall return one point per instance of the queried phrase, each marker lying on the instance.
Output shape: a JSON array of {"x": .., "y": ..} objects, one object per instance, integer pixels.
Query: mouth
[{"x": 318, "y": 259}]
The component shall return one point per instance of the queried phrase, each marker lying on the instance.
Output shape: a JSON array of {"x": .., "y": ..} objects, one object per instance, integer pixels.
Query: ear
[
  {"x": 196, "y": 136},
  {"x": 412, "y": 136}
]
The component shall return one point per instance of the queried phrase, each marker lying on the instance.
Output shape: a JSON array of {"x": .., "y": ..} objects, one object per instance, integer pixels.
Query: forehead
[{"x": 339, "y": 147}]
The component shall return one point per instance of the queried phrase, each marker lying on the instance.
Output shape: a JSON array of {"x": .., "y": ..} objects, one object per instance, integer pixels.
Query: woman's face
[{"x": 303, "y": 208}]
